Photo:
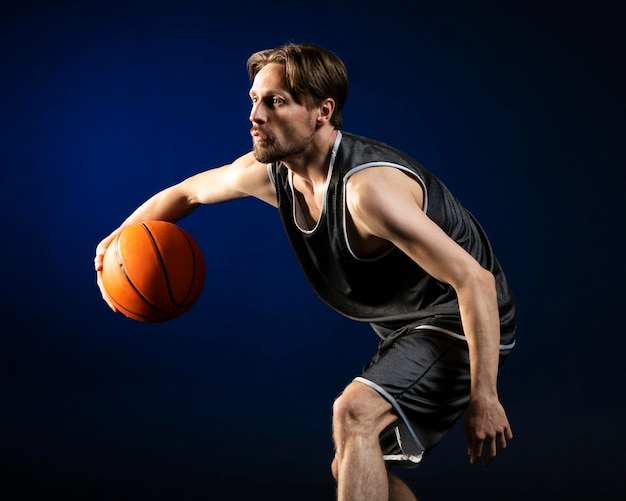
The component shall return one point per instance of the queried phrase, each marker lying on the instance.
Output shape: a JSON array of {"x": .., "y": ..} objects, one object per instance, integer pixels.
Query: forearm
[
  {"x": 486, "y": 425},
  {"x": 481, "y": 323},
  {"x": 171, "y": 204}
]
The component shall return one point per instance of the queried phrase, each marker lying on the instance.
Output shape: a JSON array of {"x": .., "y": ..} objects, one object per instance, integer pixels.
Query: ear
[{"x": 326, "y": 109}]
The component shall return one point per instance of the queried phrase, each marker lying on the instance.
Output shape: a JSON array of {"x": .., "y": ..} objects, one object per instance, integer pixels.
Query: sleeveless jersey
[{"x": 389, "y": 291}]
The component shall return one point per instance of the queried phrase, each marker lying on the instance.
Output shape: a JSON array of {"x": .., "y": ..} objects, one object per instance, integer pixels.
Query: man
[{"x": 380, "y": 240}]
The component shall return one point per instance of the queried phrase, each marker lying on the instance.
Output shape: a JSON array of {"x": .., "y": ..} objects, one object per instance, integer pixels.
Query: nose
[{"x": 257, "y": 114}]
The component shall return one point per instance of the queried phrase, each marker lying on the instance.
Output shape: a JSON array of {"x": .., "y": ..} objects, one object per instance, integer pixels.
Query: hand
[
  {"x": 486, "y": 425},
  {"x": 98, "y": 259}
]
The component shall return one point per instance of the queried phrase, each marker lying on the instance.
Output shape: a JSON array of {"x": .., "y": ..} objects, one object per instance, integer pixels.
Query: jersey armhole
[{"x": 344, "y": 207}]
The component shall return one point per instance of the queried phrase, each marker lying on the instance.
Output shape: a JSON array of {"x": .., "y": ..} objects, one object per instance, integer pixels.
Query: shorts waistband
[{"x": 503, "y": 347}]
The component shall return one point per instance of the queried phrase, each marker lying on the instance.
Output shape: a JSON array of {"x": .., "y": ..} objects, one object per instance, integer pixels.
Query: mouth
[{"x": 258, "y": 135}]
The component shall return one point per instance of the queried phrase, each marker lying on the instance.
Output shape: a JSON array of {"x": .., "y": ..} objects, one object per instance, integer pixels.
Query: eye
[{"x": 276, "y": 101}]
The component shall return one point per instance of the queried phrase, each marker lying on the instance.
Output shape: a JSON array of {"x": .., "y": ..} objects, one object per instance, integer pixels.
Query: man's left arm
[
  {"x": 486, "y": 425},
  {"x": 386, "y": 204}
]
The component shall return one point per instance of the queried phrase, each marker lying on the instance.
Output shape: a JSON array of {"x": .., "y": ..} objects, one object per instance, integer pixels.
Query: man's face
[{"x": 281, "y": 127}]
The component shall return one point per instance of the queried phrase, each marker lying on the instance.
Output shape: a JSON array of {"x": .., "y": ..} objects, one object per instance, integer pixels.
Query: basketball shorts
[{"x": 424, "y": 372}]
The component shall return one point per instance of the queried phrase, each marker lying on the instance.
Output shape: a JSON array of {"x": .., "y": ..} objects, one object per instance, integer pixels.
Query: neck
[{"x": 312, "y": 165}]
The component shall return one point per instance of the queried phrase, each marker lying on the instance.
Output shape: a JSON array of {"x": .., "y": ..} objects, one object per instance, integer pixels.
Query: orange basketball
[{"x": 153, "y": 271}]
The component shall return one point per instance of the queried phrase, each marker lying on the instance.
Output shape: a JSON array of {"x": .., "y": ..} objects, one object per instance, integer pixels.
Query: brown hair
[{"x": 313, "y": 74}]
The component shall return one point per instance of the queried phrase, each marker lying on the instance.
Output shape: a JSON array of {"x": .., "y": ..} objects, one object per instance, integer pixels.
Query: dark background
[{"x": 518, "y": 106}]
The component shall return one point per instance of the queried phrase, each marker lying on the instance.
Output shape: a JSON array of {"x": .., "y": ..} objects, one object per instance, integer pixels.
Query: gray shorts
[{"x": 424, "y": 372}]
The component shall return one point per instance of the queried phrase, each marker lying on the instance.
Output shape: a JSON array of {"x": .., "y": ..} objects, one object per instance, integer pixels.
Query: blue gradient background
[{"x": 517, "y": 106}]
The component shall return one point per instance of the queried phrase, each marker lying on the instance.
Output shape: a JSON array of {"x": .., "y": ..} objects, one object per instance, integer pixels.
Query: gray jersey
[{"x": 391, "y": 290}]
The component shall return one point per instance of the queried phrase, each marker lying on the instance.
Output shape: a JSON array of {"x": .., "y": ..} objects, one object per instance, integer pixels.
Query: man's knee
[
  {"x": 334, "y": 468},
  {"x": 361, "y": 409}
]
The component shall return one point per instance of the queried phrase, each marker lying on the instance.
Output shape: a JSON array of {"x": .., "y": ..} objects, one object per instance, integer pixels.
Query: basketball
[{"x": 153, "y": 271}]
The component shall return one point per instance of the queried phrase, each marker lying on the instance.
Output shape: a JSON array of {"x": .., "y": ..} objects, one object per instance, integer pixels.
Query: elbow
[
  {"x": 485, "y": 281},
  {"x": 475, "y": 279},
  {"x": 486, "y": 278}
]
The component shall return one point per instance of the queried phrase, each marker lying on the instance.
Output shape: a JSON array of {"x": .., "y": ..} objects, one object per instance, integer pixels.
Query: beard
[{"x": 270, "y": 150}]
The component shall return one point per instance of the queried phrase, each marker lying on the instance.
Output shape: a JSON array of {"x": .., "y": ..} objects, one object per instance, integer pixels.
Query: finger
[
  {"x": 490, "y": 450},
  {"x": 501, "y": 442},
  {"x": 509, "y": 433},
  {"x": 470, "y": 440},
  {"x": 476, "y": 451},
  {"x": 103, "y": 292}
]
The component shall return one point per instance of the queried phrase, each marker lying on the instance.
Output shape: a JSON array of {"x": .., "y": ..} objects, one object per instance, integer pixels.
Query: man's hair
[{"x": 313, "y": 74}]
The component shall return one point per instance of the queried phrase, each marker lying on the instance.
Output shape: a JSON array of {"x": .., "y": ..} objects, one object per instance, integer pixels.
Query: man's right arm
[{"x": 244, "y": 177}]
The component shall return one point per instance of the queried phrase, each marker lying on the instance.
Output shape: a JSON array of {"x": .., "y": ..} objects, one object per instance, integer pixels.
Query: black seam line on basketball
[
  {"x": 163, "y": 269},
  {"x": 120, "y": 263},
  {"x": 193, "y": 276},
  {"x": 167, "y": 316}
]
